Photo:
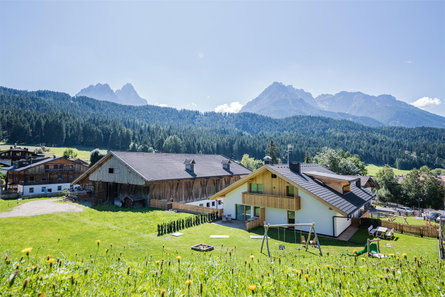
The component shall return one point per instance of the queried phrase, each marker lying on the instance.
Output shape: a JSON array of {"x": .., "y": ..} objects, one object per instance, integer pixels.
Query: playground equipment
[
  {"x": 282, "y": 246},
  {"x": 372, "y": 248},
  {"x": 441, "y": 239}
]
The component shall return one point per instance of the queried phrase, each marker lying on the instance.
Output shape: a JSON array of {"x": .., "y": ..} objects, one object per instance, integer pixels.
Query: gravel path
[{"x": 45, "y": 206}]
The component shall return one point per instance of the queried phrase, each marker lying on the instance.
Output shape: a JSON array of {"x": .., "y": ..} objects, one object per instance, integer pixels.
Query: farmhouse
[
  {"x": 157, "y": 178},
  {"x": 296, "y": 193},
  {"x": 15, "y": 153},
  {"x": 50, "y": 175}
]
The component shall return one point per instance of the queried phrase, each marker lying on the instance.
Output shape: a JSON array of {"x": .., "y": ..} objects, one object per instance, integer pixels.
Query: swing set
[{"x": 303, "y": 240}]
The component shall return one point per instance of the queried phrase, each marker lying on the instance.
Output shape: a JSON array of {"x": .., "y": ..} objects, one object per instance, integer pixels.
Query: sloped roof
[
  {"x": 36, "y": 164},
  {"x": 347, "y": 203},
  {"x": 162, "y": 166}
]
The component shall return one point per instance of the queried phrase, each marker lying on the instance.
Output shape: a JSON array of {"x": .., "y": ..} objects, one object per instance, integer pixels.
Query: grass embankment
[
  {"x": 373, "y": 169},
  {"x": 410, "y": 220},
  {"x": 131, "y": 259}
]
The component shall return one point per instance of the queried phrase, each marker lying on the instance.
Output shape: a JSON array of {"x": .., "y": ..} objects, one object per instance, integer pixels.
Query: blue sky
[{"x": 203, "y": 54}]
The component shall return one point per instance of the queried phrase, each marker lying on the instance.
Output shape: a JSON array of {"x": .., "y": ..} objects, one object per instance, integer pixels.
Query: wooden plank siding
[{"x": 273, "y": 201}]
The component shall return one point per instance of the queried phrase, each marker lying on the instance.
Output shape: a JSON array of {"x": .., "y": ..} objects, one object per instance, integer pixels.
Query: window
[
  {"x": 208, "y": 204},
  {"x": 111, "y": 170},
  {"x": 59, "y": 178},
  {"x": 220, "y": 202},
  {"x": 46, "y": 167},
  {"x": 213, "y": 203},
  {"x": 31, "y": 178},
  {"x": 59, "y": 188},
  {"x": 56, "y": 166},
  {"x": 290, "y": 191},
  {"x": 256, "y": 188},
  {"x": 274, "y": 175},
  {"x": 50, "y": 190},
  {"x": 43, "y": 189},
  {"x": 346, "y": 188},
  {"x": 256, "y": 211},
  {"x": 290, "y": 217},
  {"x": 43, "y": 178},
  {"x": 31, "y": 190},
  {"x": 201, "y": 204}
]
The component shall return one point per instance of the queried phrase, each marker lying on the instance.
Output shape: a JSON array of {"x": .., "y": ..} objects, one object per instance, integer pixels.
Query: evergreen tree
[{"x": 272, "y": 151}]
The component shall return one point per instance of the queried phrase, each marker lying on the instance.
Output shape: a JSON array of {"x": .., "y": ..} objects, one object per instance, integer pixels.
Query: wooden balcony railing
[{"x": 269, "y": 200}]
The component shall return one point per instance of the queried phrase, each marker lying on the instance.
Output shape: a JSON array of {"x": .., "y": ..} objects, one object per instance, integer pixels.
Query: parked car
[
  {"x": 432, "y": 216},
  {"x": 405, "y": 209},
  {"x": 441, "y": 217}
]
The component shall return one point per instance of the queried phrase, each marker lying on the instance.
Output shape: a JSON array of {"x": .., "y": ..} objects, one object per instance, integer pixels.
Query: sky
[{"x": 221, "y": 54}]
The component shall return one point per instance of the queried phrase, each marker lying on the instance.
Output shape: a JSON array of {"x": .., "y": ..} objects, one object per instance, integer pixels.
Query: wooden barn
[{"x": 130, "y": 177}]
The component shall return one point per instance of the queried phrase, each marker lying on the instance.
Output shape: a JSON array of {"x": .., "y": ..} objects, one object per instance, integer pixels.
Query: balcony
[{"x": 273, "y": 201}]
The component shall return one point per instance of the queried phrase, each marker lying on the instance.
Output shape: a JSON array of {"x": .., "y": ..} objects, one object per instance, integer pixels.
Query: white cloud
[
  {"x": 162, "y": 105},
  {"x": 233, "y": 107},
  {"x": 426, "y": 102},
  {"x": 201, "y": 54}
]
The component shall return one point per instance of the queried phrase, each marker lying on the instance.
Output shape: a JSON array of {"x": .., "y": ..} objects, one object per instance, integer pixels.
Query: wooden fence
[
  {"x": 196, "y": 208},
  {"x": 429, "y": 231},
  {"x": 162, "y": 204},
  {"x": 254, "y": 223}
]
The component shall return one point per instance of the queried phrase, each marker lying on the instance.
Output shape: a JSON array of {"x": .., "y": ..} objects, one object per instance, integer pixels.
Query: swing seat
[
  {"x": 281, "y": 247},
  {"x": 303, "y": 240}
]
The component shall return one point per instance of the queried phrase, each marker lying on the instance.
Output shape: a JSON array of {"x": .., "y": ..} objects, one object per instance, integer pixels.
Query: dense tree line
[
  {"x": 419, "y": 188},
  {"x": 52, "y": 118}
]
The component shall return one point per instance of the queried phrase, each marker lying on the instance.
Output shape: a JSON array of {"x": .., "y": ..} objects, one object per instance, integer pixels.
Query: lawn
[
  {"x": 6, "y": 205},
  {"x": 131, "y": 259},
  {"x": 373, "y": 169},
  {"x": 410, "y": 220}
]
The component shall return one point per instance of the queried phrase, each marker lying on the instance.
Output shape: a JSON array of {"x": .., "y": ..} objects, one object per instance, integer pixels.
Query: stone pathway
[
  {"x": 39, "y": 207},
  {"x": 348, "y": 233}
]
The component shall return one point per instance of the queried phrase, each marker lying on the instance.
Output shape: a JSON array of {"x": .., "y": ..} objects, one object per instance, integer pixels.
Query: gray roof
[
  {"x": 347, "y": 178},
  {"x": 36, "y": 164},
  {"x": 161, "y": 166},
  {"x": 348, "y": 202}
]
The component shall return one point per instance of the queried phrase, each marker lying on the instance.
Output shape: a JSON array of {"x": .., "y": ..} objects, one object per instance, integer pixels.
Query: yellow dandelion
[
  {"x": 27, "y": 250},
  {"x": 178, "y": 258},
  {"x": 328, "y": 266},
  {"x": 391, "y": 255},
  {"x": 98, "y": 242},
  {"x": 252, "y": 287},
  {"x": 162, "y": 292},
  {"x": 354, "y": 251},
  {"x": 189, "y": 282},
  {"x": 382, "y": 277},
  {"x": 306, "y": 276},
  {"x": 404, "y": 255},
  {"x": 157, "y": 262},
  {"x": 252, "y": 257},
  {"x": 51, "y": 261}
]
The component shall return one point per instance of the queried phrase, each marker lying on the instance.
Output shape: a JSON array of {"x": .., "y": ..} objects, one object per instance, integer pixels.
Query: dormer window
[
  {"x": 226, "y": 164},
  {"x": 190, "y": 165},
  {"x": 346, "y": 188}
]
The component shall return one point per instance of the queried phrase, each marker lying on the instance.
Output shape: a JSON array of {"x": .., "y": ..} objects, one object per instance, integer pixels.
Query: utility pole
[{"x": 289, "y": 149}]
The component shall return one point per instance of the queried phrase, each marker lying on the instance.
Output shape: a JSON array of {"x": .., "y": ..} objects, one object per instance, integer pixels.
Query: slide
[{"x": 372, "y": 249}]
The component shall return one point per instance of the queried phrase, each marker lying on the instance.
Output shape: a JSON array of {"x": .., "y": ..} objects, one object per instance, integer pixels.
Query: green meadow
[{"x": 106, "y": 251}]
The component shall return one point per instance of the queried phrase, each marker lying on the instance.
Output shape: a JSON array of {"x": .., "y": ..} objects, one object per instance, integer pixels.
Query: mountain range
[
  {"x": 281, "y": 101},
  {"x": 127, "y": 95}
]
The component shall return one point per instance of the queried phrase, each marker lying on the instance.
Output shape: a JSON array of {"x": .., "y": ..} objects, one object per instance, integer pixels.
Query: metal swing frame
[{"x": 312, "y": 225}]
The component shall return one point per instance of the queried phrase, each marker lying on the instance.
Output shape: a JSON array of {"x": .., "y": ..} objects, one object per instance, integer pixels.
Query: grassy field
[
  {"x": 372, "y": 170},
  {"x": 82, "y": 152},
  {"x": 131, "y": 259}
]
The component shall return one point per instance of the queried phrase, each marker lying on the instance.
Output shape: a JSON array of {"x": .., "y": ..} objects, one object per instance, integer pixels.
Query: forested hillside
[{"x": 59, "y": 119}]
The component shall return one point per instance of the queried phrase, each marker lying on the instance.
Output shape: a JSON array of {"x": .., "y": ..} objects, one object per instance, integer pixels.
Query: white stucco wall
[
  {"x": 232, "y": 198},
  {"x": 219, "y": 203},
  {"x": 122, "y": 173},
  {"x": 341, "y": 224},
  {"x": 24, "y": 190},
  {"x": 276, "y": 216}
]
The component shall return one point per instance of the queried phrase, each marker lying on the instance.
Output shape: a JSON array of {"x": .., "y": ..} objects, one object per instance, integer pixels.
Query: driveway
[{"x": 44, "y": 206}]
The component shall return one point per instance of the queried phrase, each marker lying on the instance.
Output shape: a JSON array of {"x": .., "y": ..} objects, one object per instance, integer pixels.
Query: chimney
[
  {"x": 189, "y": 165},
  {"x": 295, "y": 167},
  {"x": 226, "y": 164},
  {"x": 267, "y": 160},
  {"x": 358, "y": 183}
]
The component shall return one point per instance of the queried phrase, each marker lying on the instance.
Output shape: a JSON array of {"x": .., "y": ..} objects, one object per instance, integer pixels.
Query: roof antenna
[{"x": 289, "y": 150}]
